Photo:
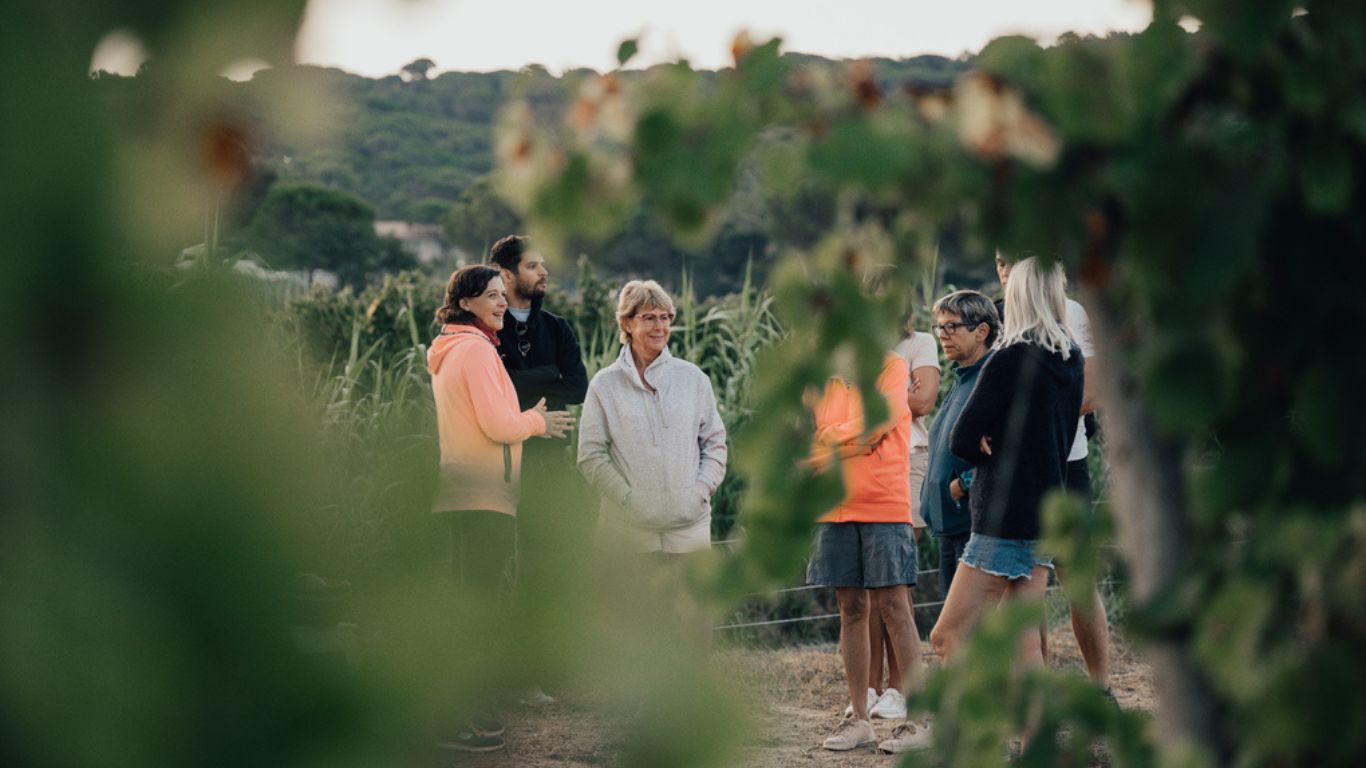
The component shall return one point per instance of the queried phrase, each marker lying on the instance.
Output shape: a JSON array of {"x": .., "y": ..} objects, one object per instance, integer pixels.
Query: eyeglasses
[
  {"x": 523, "y": 343},
  {"x": 947, "y": 329},
  {"x": 652, "y": 318}
]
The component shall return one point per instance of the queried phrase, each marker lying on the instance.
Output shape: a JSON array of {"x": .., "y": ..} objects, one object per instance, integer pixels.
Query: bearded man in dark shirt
[{"x": 542, "y": 357}]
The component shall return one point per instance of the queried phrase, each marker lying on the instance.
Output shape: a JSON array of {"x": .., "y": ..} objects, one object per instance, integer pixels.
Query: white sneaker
[
  {"x": 852, "y": 734},
  {"x": 890, "y": 706},
  {"x": 535, "y": 697},
  {"x": 908, "y": 737},
  {"x": 872, "y": 699}
]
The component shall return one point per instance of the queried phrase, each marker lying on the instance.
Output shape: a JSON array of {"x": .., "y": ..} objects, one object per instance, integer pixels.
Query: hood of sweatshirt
[
  {"x": 627, "y": 362},
  {"x": 452, "y": 336}
]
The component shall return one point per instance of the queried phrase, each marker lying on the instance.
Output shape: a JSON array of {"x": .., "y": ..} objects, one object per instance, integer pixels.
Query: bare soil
[{"x": 805, "y": 690}]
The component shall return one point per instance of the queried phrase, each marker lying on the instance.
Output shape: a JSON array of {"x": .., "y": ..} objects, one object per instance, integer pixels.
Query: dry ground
[{"x": 808, "y": 685}]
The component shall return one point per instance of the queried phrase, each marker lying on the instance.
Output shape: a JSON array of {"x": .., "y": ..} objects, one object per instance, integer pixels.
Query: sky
[{"x": 377, "y": 37}]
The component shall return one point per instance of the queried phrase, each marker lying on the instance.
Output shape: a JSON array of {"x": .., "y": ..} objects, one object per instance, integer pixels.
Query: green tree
[
  {"x": 478, "y": 218},
  {"x": 416, "y": 71},
  {"x": 428, "y": 210},
  {"x": 311, "y": 227},
  {"x": 390, "y": 257}
]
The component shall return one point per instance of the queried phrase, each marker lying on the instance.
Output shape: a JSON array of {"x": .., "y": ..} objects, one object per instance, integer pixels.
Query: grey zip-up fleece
[{"x": 656, "y": 457}]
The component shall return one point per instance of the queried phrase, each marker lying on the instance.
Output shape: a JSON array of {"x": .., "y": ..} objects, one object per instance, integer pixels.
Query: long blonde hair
[{"x": 1036, "y": 307}]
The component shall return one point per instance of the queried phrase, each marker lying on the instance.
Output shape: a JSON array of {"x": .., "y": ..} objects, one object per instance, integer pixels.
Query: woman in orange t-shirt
[{"x": 865, "y": 548}]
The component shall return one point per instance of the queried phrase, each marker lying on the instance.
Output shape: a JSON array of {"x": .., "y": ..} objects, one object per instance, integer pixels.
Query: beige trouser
[{"x": 920, "y": 463}]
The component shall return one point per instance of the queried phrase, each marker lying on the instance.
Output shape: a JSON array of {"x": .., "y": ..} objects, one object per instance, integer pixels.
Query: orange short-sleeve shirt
[{"x": 877, "y": 474}]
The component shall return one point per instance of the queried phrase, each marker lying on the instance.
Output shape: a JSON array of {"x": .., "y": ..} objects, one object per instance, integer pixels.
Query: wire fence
[
  {"x": 821, "y": 617},
  {"x": 1108, "y": 581}
]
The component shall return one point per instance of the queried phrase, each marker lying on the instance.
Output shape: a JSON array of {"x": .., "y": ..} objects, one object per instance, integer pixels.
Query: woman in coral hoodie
[
  {"x": 480, "y": 426},
  {"x": 481, "y": 430}
]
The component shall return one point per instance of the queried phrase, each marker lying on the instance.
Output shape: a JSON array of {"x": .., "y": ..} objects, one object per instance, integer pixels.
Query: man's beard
[{"x": 530, "y": 290}]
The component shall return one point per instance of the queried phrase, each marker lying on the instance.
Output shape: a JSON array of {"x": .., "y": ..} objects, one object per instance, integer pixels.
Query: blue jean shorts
[
  {"x": 1011, "y": 558},
  {"x": 868, "y": 555}
]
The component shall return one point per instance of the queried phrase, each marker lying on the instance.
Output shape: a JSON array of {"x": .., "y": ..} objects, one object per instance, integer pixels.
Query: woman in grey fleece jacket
[{"x": 650, "y": 438}]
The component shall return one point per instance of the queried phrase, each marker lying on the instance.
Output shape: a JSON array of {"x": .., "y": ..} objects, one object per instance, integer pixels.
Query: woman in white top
[
  {"x": 651, "y": 441},
  {"x": 652, "y": 444}
]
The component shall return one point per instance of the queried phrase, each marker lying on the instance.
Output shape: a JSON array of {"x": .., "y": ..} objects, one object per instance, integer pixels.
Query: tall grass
[
  {"x": 592, "y": 314},
  {"x": 373, "y": 395},
  {"x": 724, "y": 338}
]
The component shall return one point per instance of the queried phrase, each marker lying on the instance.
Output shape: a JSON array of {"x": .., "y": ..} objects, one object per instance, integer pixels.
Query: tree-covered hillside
[
  {"x": 409, "y": 146},
  {"x": 420, "y": 148}
]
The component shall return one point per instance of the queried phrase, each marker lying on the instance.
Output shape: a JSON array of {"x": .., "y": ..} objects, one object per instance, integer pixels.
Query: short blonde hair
[{"x": 637, "y": 295}]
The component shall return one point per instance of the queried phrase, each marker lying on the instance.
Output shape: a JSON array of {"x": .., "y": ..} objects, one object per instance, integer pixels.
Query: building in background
[{"x": 425, "y": 242}]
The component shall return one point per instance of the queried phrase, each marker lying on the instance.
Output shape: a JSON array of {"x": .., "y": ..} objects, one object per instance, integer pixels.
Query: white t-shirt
[
  {"x": 1080, "y": 325},
  {"x": 920, "y": 351}
]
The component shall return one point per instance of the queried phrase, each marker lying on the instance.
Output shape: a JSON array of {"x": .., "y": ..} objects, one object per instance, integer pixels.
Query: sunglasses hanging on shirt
[{"x": 523, "y": 343}]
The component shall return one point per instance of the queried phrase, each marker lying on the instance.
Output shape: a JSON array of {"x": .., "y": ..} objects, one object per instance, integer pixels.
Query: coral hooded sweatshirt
[
  {"x": 875, "y": 467},
  {"x": 478, "y": 420}
]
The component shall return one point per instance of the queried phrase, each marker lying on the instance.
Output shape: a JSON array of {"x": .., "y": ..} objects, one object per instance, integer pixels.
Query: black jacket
[
  {"x": 551, "y": 366},
  {"x": 1027, "y": 400}
]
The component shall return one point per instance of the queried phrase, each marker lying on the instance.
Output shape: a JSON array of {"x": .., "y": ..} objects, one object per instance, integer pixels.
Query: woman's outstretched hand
[{"x": 557, "y": 423}]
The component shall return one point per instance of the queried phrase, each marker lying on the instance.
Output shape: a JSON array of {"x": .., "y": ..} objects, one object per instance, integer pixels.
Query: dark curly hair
[{"x": 465, "y": 283}]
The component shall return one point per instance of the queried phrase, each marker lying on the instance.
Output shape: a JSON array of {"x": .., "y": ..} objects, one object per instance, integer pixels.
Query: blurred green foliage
[
  {"x": 182, "y": 487},
  {"x": 1206, "y": 188}
]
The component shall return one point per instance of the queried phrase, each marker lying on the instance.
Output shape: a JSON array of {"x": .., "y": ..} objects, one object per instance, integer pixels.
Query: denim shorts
[
  {"x": 868, "y": 555},
  {"x": 1011, "y": 558}
]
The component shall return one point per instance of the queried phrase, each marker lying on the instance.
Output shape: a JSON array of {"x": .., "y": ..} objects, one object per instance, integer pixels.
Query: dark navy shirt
[{"x": 945, "y": 516}]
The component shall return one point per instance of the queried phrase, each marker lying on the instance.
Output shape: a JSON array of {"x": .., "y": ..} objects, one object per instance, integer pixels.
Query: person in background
[
  {"x": 1016, "y": 429},
  {"x": 1089, "y": 624},
  {"x": 652, "y": 444},
  {"x": 480, "y": 429},
  {"x": 921, "y": 355},
  {"x": 542, "y": 357},
  {"x": 966, "y": 325},
  {"x": 865, "y": 547}
]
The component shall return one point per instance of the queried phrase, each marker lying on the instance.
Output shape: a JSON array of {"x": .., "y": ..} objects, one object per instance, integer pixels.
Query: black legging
[{"x": 482, "y": 546}]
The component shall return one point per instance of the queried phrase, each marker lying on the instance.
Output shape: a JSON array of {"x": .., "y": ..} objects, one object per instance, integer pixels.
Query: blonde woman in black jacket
[{"x": 1017, "y": 429}]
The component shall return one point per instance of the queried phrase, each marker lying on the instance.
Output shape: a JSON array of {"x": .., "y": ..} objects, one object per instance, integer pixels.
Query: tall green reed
[{"x": 373, "y": 394}]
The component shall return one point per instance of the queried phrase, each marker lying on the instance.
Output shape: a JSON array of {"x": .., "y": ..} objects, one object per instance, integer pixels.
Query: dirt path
[
  {"x": 806, "y": 680},
  {"x": 810, "y": 683}
]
